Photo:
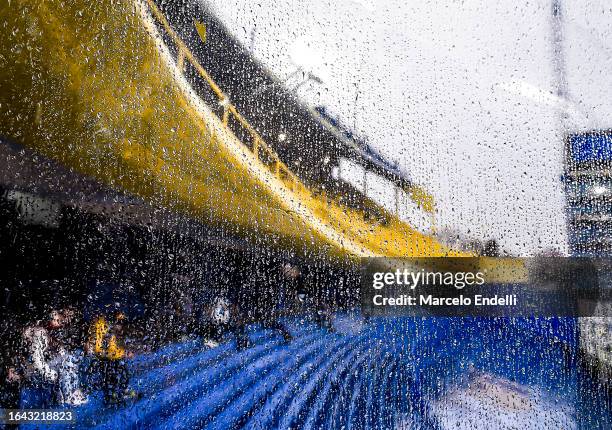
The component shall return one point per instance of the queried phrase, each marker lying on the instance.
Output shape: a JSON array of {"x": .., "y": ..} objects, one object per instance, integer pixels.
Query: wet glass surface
[{"x": 189, "y": 191}]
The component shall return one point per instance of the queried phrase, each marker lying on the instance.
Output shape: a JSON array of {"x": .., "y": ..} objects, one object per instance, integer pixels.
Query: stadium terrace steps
[{"x": 379, "y": 376}]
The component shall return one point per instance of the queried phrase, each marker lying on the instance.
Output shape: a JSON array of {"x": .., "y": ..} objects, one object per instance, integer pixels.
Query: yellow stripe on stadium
[{"x": 91, "y": 85}]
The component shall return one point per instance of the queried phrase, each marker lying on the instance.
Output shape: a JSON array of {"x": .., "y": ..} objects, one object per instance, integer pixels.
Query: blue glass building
[{"x": 588, "y": 185}]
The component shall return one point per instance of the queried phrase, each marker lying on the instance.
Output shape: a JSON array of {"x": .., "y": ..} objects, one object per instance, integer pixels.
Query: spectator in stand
[
  {"x": 217, "y": 318},
  {"x": 108, "y": 347},
  {"x": 67, "y": 335},
  {"x": 265, "y": 306},
  {"x": 295, "y": 284},
  {"x": 52, "y": 367}
]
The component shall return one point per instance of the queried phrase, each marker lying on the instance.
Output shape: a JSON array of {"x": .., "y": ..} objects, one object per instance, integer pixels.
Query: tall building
[{"x": 588, "y": 185}]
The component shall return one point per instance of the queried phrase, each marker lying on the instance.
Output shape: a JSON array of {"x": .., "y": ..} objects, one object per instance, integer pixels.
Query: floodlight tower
[{"x": 559, "y": 69}]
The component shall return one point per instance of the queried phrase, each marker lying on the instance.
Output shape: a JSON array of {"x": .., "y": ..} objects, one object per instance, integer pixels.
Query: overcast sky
[{"x": 459, "y": 93}]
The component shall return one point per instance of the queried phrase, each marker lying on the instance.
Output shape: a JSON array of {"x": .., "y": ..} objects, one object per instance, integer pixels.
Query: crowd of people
[
  {"x": 82, "y": 295},
  {"x": 70, "y": 352},
  {"x": 61, "y": 359}
]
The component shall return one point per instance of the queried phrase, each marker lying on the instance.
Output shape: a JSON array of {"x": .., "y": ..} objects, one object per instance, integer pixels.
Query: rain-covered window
[{"x": 320, "y": 214}]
